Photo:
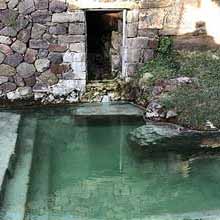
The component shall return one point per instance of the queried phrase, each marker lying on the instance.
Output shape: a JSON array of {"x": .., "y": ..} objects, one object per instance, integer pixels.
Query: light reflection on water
[{"x": 86, "y": 170}]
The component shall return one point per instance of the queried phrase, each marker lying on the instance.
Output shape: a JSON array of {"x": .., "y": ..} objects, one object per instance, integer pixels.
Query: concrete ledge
[{"x": 8, "y": 137}]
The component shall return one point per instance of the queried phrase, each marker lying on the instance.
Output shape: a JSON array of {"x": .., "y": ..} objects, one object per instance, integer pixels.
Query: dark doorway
[{"x": 104, "y": 39}]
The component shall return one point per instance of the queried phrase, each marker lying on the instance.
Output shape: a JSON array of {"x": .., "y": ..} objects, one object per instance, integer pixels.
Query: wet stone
[{"x": 14, "y": 59}]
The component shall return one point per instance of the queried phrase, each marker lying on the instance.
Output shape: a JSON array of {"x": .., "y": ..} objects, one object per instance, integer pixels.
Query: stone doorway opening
[{"x": 104, "y": 44}]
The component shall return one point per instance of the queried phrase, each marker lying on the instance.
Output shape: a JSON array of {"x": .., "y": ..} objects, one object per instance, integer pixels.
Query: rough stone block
[
  {"x": 48, "y": 77},
  {"x": 66, "y": 17},
  {"x": 131, "y": 69},
  {"x": 38, "y": 43},
  {"x": 58, "y": 29},
  {"x": 3, "y": 4},
  {"x": 8, "y": 31},
  {"x": 78, "y": 67},
  {"x": 30, "y": 81},
  {"x": 24, "y": 35},
  {"x": 134, "y": 55},
  {"x": 37, "y": 31},
  {"x": 25, "y": 70},
  {"x": 12, "y": 4},
  {"x": 41, "y": 16},
  {"x": 55, "y": 58},
  {"x": 26, "y": 6},
  {"x": 152, "y": 18},
  {"x": 133, "y": 15},
  {"x": 8, "y": 87},
  {"x": 41, "y": 4},
  {"x": 77, "y": 28},
  {"x": 3, "y": 79},
  {"x": 5, "y": 40},
  {"x": 5, "y": 49},
  {"x": 70, "y": 57},
  {"x": 68, "y": 39},
  {"x": 77, "y": 47},
  {"x": 59, "y": 68},
  {"x": 148, "y": 55},
  {"x": 42, "y": 65},
  {"x": 14, "y": 59},
  {"x": 30, "y": 55},
  {"x": 58, "y": 6},
  {"x": 19, "y": 47},
  {"x": 139, "y": 42},
  {"x": 57, "y": 48},
  {"x": 6, "y": 70},
  {"x": 2, "y": 57},
  {"x": 132, "y": 29}
]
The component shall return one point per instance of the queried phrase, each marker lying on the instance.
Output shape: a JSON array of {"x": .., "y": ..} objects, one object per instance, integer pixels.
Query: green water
[{"x": 85, "y": 169}]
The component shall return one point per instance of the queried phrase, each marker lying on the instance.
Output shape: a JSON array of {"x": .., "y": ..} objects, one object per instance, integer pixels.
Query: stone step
[
  {"x": 9, "y": 123},
  {"x": 13, "y": 207},
  {"x": 38, "y": 198}
]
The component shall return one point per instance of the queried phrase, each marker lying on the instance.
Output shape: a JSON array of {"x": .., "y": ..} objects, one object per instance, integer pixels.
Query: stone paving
[{"x": 8, "y": 136}]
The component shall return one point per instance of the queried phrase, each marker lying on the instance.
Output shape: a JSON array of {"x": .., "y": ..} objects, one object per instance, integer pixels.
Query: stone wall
[
  {"x": 43, "y": 42},
  {"x": 42, "y": 51}
]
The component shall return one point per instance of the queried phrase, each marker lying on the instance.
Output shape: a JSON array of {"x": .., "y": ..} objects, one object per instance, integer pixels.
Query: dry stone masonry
[{"x": 43, "y": 43}]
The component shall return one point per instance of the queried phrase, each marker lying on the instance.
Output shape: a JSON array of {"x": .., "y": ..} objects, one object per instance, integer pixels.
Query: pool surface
[{"x": 83, "y": 168}]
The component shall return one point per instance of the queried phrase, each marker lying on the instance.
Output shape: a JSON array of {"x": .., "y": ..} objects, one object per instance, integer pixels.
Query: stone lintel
[{"x": 88, "y": 4}]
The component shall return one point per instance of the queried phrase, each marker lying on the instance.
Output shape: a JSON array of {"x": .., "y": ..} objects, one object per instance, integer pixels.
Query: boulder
[{"x": 158, "y": 136}]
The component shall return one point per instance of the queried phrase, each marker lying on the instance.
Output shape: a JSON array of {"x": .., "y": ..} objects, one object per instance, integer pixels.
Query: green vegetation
[{"x": 195, "y": 103}]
